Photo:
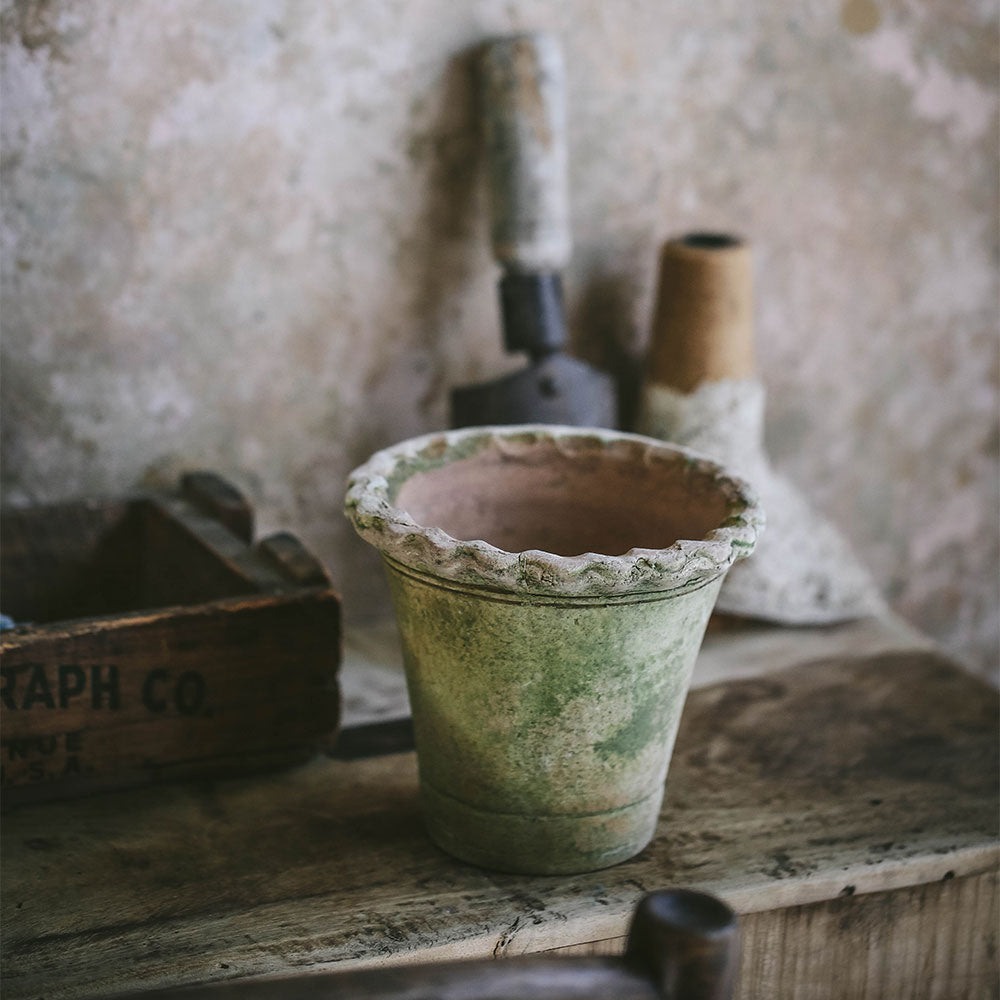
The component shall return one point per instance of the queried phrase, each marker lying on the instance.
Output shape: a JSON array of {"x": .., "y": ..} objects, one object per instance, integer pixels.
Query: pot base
[{"x": 539, "y": 845}]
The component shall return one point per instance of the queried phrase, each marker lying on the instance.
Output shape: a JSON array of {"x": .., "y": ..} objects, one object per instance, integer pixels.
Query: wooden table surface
[{"x": 829, "y": 799}]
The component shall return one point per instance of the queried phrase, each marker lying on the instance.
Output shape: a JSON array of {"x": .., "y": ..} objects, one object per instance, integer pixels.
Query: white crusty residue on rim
[{"x": 684, "y": 565}]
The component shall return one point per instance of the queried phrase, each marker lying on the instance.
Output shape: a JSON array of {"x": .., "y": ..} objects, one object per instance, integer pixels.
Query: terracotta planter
[{"x": 552, "y": 588}]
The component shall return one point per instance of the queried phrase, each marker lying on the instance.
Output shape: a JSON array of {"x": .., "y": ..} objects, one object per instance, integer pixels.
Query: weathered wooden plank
[
  {"x": 866, "y": 774},
  {"x": 933, "y": 941}
]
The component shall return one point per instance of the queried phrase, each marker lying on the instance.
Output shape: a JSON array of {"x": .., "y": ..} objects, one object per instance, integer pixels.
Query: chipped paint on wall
[{"x": 251, "y": 236}]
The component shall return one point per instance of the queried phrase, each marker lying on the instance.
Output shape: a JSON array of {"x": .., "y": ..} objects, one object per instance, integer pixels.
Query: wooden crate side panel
[
  {"x": 91, "y": 558},
  {"x": 936, "y": 941},
  {"x": 156, "y": 691}
]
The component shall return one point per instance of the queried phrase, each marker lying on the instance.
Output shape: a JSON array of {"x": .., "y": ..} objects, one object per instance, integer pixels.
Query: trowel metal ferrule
[{"x": 534, "y": 318}]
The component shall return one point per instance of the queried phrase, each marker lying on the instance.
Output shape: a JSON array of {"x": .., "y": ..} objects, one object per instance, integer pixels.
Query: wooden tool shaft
[
  {"x": 703, "y": 321},
  {"x": 537, "y": 977},
  {"x": 524, "y": 116}
]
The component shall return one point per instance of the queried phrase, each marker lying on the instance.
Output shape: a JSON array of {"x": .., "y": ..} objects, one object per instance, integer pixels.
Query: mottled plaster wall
[{"x": 250, "y": 236}]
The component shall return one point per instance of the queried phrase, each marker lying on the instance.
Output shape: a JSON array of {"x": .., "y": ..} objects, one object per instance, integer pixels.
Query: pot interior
[{"x": 541, "y": 497}]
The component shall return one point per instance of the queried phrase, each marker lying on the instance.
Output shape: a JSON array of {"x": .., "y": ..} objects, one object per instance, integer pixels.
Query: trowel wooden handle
[
  {"x": 524, "y": 118},
  {"x": 703, "y": 321}
]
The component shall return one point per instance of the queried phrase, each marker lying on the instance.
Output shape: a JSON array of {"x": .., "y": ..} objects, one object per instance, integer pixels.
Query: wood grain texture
[
  {"x": 934, "y": 941},
  {"x": 869, "y": 774},
  {"x": 174, "y": 691}
]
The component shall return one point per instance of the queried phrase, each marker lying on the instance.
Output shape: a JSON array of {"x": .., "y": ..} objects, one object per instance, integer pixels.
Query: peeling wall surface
[{"x": 251, "y": 236}]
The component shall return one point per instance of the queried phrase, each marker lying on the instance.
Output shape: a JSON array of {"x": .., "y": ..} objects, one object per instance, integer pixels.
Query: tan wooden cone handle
[{"x": 703, "y": 321}]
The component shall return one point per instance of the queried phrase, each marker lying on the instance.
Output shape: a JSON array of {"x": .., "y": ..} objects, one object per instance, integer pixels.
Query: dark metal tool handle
[
  {"x": 531, "y": 306},
  {"x": 688, "y": 941}
]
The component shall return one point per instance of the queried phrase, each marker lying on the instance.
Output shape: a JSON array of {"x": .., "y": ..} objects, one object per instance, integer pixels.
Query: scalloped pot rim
[{"x": 686, "y": 565}]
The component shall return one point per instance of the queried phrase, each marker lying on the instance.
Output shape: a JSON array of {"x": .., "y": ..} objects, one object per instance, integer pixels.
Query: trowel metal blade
[{"x": 556, "y": 390}]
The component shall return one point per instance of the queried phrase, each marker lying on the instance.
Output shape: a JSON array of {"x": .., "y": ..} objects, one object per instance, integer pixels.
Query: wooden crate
[{"x": 160, "y": 642}]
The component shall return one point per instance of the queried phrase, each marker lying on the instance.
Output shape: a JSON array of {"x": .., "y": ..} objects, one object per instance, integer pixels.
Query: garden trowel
[{"x": 522, "y": 83}]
